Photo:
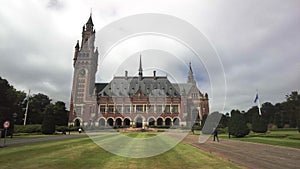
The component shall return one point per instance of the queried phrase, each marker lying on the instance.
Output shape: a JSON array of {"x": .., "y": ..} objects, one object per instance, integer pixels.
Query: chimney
[
  {"x": 126, "y": 74},
  {"x": 154, "y": 74}
]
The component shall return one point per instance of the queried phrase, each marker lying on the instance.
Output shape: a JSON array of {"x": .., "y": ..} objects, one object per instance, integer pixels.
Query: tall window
[
  {"x": 127, "y": 109},
  {"x": 119, "y": 109},
  {"x": 150, "y": 108},
  {"x": 78, "y": 110},
  {"x": 194, "y": 95},
  {"x": 102, "y": 109},
  {"x": 159, "y": 108},
  {"x": 139, "y": 108},
  {"x": 110, "y": 108},
  {"x": 175, "y": 108},
  {"x": 167, "y": 109}
]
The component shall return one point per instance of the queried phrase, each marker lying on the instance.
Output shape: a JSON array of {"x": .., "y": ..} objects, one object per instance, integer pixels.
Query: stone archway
[
  {"x": 101, "y": 122},
  {"x": 151, "y": 121},
  {"x": 176, "y": 121},
  {"x": 139, "y": 122},
  {"x": 159, "y": 121},
  {"x": 127, "y": 122},
  {"x": 110, "y": 122},
  {"x": 77, "y": 123},
  {"x": 118, "y": 122},
  {"x": 168, "y": 121}
]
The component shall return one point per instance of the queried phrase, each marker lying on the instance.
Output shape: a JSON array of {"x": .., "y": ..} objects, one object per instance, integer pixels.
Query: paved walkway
[
  {"x": 250, "y": 155},
  {"x": 15, "y": 142}
]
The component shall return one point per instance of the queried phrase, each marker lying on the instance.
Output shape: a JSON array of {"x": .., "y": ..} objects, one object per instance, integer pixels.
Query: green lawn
[
  {"x": 84, "y": 153},
  {"x": 28, "y": 135},
  {"x": 278, "y": 138}
]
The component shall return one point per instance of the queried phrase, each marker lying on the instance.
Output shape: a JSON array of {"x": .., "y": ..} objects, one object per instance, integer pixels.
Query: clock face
[{"x": 82, "y": 72}]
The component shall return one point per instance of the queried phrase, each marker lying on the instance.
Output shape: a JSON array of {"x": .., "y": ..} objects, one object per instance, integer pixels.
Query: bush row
[
  {"x": 32, "y": 128},
  {"x": 283, "y": 129},
  {"x": 37, "y": 128}
]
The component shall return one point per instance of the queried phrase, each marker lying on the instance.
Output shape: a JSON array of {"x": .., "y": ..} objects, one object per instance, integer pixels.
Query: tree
[
  {"x": 224, "y": 120},
  {"x": 249, "y": 114},
  {"x": 11, "y": 100},
  {"x": 278, "y": 117},
  {"x": 268, "y": 112},
  {"x": 48, "y": 125},
  {"x": 37, "y": 105},
  {"x": 292, "y": 106},
  {"x": 237, "y": 124},
  {"x": 259, "y": 123},
  {"x": 61, "y": 114}
]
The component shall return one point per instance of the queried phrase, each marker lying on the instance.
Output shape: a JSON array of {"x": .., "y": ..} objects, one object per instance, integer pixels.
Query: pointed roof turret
[
  {"x": 77, "y": 45},
  {"x": 89, "y": 24},
  {"x": 90, "y": 21},
  {"x": 140, "y": 68},
  {"x": 191, "y": 75}
]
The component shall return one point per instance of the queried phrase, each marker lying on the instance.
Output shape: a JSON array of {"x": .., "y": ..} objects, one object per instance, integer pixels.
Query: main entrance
[{"x": 139, "y": 122}]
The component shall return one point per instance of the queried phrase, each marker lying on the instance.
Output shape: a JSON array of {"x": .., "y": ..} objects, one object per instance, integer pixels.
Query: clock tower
[{"x": 85, "y": 64}]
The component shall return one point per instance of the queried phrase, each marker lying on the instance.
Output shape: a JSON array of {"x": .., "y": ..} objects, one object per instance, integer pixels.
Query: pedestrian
[
  {"x": 79, "y": 130},
  {"x": 216, "y": 134}
]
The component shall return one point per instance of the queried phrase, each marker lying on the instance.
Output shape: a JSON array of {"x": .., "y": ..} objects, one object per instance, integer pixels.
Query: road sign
[{"x": 6, "y": 124}]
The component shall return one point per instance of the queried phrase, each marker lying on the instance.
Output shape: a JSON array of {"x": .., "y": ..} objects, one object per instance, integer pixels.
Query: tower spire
[
  {"x": 89, "y": 24},
  {"x": 191, "y": 75},
  {"x": 140, "y": 68}
]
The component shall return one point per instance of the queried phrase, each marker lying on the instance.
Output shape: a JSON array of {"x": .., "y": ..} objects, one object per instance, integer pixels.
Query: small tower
[
  {"x": 191, "y": 79},
  {"x": 140, "y": 69},
  {"x": 76, "y": 53}
]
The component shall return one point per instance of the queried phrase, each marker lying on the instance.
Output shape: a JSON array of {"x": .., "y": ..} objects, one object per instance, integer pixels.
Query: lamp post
[{"x": 15, "y": 115}]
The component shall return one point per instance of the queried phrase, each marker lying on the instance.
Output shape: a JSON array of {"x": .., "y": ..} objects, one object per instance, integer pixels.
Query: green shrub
[
  {"x": 237, "y": 124},
  {"x": 48, "y": 125},
  {"x": 62, "y": 128},
  {"x": 31, "y": 128},
  {"x": 275, "y": 135},
  {"x": 197, "y": 127},
  {"x": 284, "y": 129},
  {"x": 296, "y": 137},
  {"x": 223, "y": 130}
]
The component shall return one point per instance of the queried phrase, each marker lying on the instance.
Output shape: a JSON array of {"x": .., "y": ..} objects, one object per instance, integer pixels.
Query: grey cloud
[{"x": 256, "y": 40}]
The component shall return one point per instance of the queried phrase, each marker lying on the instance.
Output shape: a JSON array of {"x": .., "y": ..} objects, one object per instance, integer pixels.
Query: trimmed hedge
[
  {"x": 31, "y": 128},
  {"x": 284, "y": 129}
]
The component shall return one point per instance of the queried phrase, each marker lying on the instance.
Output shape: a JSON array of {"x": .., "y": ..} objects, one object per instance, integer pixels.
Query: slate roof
[{"x": 121, "y": 86}]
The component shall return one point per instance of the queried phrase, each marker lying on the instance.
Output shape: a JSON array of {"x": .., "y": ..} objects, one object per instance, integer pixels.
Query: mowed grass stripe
[
  {"x": 83, "y": 153},
  {"x": 277, "y": 138}
]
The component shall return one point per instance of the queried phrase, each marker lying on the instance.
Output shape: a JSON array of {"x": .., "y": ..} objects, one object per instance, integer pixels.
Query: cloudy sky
[{"x": 257, "y": 43}]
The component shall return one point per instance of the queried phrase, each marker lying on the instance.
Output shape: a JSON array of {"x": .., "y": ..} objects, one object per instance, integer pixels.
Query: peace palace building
[{"x": 132, "y": 101}]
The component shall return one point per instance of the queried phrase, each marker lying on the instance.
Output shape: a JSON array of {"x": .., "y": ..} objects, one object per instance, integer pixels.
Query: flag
[
  {"x": 26, "y": 98},
  {"x": 256, "y": 98}
]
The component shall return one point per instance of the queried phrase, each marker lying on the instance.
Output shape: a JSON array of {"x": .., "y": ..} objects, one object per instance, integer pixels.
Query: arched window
[{"x": 101, "y": 122}]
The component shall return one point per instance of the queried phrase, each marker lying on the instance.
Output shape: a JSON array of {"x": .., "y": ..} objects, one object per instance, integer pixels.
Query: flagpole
[
  {"x": 26, "y": 111},
  {"x": 258, "y": 104}
]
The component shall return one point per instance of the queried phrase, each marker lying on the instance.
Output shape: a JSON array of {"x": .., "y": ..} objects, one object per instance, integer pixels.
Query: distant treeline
[
  {"x": 281, "y": 115},
  {"x": 13, "y": 103}
]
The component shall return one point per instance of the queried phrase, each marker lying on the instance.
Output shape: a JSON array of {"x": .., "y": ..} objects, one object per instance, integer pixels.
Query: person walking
[{"x": 216, "y": 134}]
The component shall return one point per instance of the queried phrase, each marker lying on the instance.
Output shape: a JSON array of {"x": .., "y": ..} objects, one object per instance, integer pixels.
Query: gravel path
[{"x": 250, "y": 155}]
